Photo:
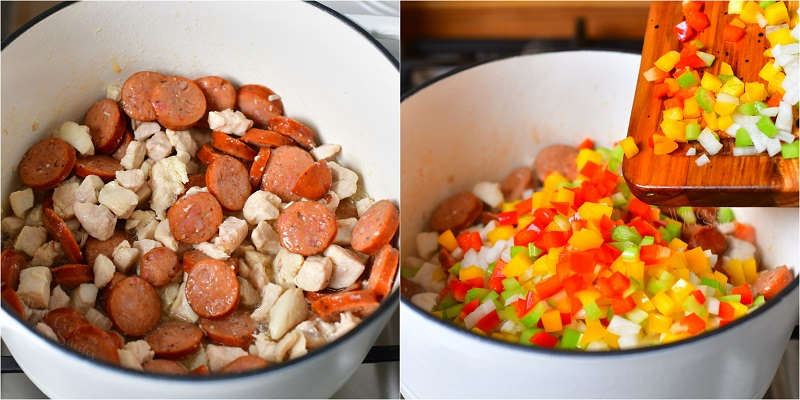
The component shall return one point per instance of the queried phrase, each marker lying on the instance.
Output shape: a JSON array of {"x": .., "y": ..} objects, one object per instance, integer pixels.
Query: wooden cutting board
[{"x": 674, "y": 179}]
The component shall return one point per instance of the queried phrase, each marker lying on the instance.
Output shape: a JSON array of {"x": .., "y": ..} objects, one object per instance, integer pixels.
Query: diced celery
[
  {"x": 592, "y": 310},
  {"x": 527, "y": 334},
  {"x": 707, "y": 58},
  {"x": 490, "y": 270},
  {"x": 654, "y": 286},
  {"x": 534, "y": 252},
  {"x": 630, "y": 253},
  {"x": 569, "y": 339},
  {"x": 532, "y": 317},
  {"x": 647, "y": 240},
  {"x": 674, "y": 228},
  {"x": 790, "y": 150},
  {"x": 492, "y": 295},
  {"x": 747, "y": 108},
  {"x": 666, "y": 235},
  {"x": 455, "y": 269},
  {"x": 447, "y": 302},
  {"x": 766, "y": 3},
  {"x": 690, "y": 304},
  {"x": 623, "y": 188},
  {"x": 765, "y": 125},
  {"x": 604, "y": 151},
  {"x": 758, "y": 301},
  {"x": 508, "y": 313},
  {"x": 692, "y": 131},
  {"x": 623, "y": 233},
  {"x": 705, "y": 99},
  {"x": 731, "y": 298},
  {"x": 687, "y": 215},
  {"x": 743, "y": 138},
  {"x": 712, "y": 283},
  {"x": 725, "y": 215},
  {"x": 517, "y": 249},
  {"x": 452, "y": 312},
  {"x": 621, "y": 245},
  {"x": 618, "y": 199},
  {"x": 687, "y": 80},
  {"x": 408, "y": 272},
  {"x": 511, "y": 284},
  {"x": 760, "y": 105},
  {"x": 637, "y": 315},
  {"x": 475, "y": 293}
]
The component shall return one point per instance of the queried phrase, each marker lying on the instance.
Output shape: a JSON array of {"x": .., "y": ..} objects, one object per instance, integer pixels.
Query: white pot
[
  {"x": 481, "y": 123},
  {"x": 327, "y": 71}
]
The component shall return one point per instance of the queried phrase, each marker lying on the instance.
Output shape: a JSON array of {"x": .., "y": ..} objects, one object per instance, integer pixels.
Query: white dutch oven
[
  {"x": 481, "y": 123},
  {"x": 329, "y": 74}
]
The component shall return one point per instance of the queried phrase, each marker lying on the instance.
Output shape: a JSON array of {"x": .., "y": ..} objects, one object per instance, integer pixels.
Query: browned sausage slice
[
  {"x": 159, "y": 266},
  {"x": 361, "y": 302},
  {"x": 47, "y": 163},
  {"x": 194, "y": 219},
  {"x": 258, "y": 166},
  {"x": 201, "y": 370},
  {"x": 127, "y": 138},
  {"x": 105, "y": 292},
  {"x": 235, "y": 329},
  {"x": 212, "y": 289},
  {"x": 244, "y": 363},
  {"x": 207, "y": 154},
  {"x": 286, "y": 164},
  {"x": 64, "y": 321},
  {"x": 107, "y": 125},
  {"x": 11, "y": 263},
  {"x": 315, "y": 182},
  {"x": 71, "y": 276},
  {"x": 770, "y": 282},
  {"x": 346, "y": 209},
  {"x": 12, "y": 299},
  {"x": 709, "y": 238},
  {"x": 95, "y": 247},
  {"x": 376, "y": 227},
  {"x": 383, "y": 270},
  {"x": 94, "y": 342},
  {"x": 231, "y": 145},
  {"x": 516, "y": 182},
  {"x": 192, "y": 257},
  {"x": 198, "y": 180},
  {"x": 556, "y": 157},
  {"x": 259, "y": 103},
  {"x": 229, "y": 181},
  {"x": 175, "y": 339},
  {"x": 220, "y": 94},
  {"x": 136, "y": 92},
  {"x": 264, "y": 138},
  {"x": 306, "y": 227},
  {"x": 456, "y": 212},
  {"x": 58, "y": 230},
  {"x": 105, "y": 167},
  {"x": 179, "y": 103},
  {"x": 301, "y": 134},
  {"x": 165, "y": 367},
  {"x": 117, "y": 337},
  {"x": 134, "y": 306}
]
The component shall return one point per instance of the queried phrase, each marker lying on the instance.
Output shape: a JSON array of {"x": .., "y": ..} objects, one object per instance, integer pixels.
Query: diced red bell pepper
[
  {"x": 732, "y": 33},
  {"x": 544, "y": 339},
  {"x": 469, "y": 308},
  {"x": 619, "y": 282},
  {"x": 496, "y": 279},
  {"x": 591, "y": 170},
  {"x": 507, "y": 218},
  {"x": 551, "y": 239},
  {"x": 603, "y": 285},
  {"x": 699, "y": 296},
  {"x": 689, "y": 7},
  {"x": 744, "y": 232},
  {"x": 561, "y": 207},
  {"x": 469, "y": 240},
  {"x": 566, "y": 318},
  {"x": 726, "y": 311},
  {"x": 586, "y": 144},
  {"x": 608, "y": 181},
  {"x": 673, "y": 102},
  {"x": 520, "y": 308},
  {"x": 573, "y": 284},
  {"x": 488, "y": 322},
  {"x": 523, "y": 207},
  {"x": 691, "y": 60},
  {"x": 745, "y": 293},
  {"x": 660, "y": 90},
  {"x": 548, "y": 287},
  {"x": 643, "y": 227},
  {"x": 651, "y": 254},
  {"x": 640, "y": 208},
  {"x": 474, "y": 282},
  {"x": 774, "y": 100},
  {"x": 525, "y": 236},
  {"x": 684, "y": 32},
  {"x": 623, "y": 306},
  {"x": 542, "y": 217},
  {"x": 607, "y": 254},
  {"x": 698, "y": 20},
  {"x": 694, "y": 323},
  {"x": 686, "y": 93},
  {"x": 459, "y": 289},
  {"x": 723, "y": 322},
  {"x": 582, "y": 262}
]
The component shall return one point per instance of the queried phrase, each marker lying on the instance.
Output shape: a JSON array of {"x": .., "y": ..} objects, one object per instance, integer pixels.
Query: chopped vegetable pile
[
  {"x": 582, "y": 264},
  {"x": 701, "y": 106}
]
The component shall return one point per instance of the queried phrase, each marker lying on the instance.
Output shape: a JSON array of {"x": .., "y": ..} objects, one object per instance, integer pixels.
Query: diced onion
[
  {"x": 785, "y": 136},
  {"x": 622, "y": 327},
  {"x": 762, "y": 21},
  {"x": 628, "y": 342},
  {"x": 769, "y": 111},
  {"x": 773, "y": 28},
  {"x": 783, "y": 122},
  {"x": 726, "y": 98},
  {"x": 480, "y": 312},
  {"x": 731, "y": 130},
  {"x": 702, "y": 160},
  {"x": 691, "y": 152},
  {"x": 773, "y": 146},
  {"x": 709, "y": 142},
  {"x": 712, "y": 305},
  {"x": 513, "y": 299}
]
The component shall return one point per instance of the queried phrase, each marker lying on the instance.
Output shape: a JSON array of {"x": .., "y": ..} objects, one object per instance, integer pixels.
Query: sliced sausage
[
  {"x": 71, "y": 276},
  {"x": 346, "y": 209},
  {"x": 201, "y": 370},
  {"x": 770, "y": 282},
  {"x": 708, "y": 237},
  {"x": 165, "y": 367},
  {"x": 192, "y": 257},
  {"x": 12, "y": 299},
  {"x": 301, "y": 134},
  {"x": 134, "y": 306},
  {"x": 127, "y": 138},
  {"x": 117, "y": 337},
  {"x": 376, "y": 227},
  {"x": 306, "y": 228},
  {"x": 258, "y": 166},
  {"x": 47, "y": 163},
  {"x": 231, "y": 145},
  {"x": 198, "y": 180},
  {"x": 174, "y": 340},
  {"x": 179, "y": 103},
  {"x": 136, "y": 93},
  {"x": 457, "y": 212},
  {"x": 12, "y": 263},
  {"x": 107, "y": 125},
  {"x": 384, "y": 268},
  {"x": 105, "y": 292},
  {"x": 244, "y": 363},
  {"x": 206, "y": 154},
  {"x": 516, "y": 182},
  {"x": 229, "y": 181},
  {"x": 446, "y": 259},
  {"x": 194, "y": 219},
  {"x": 58, "y": 230},
  {"x": 286, "y": 164},
  {"x": 220, "y": 94},
  {"x": 64, "y": 321},
  {"x": 315, "y": 182},
  {"x": 94, "y": 342},
  {"x": 259, "y": 103},
  {"x": 159, "y": 266},
  {"x": 105, "y": 167},
  {"x": 95, "y": 247},
  {"x": 264, "y": 138},
  {"x": 556, "y": 157},
  {"x": 314, "y": 296},
  {"x": 236, "y": 329},
  {"x": 212, "y": 289},
  {"x": 362, "y": 303}
]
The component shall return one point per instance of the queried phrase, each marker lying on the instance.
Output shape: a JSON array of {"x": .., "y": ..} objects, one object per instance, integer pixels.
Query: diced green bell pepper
[
  {"x": 455, "y": 269},
  {"x": 747, "y": 108},
  {"x": 647, "y": 240},
  {"x": 527, "y": 334},
  {"x": 758, "y": 301},
  {"x": 452, "y": 311},
  {"x": 623, "y": 233},
  {"x": 532, "y": 317},
  {"x": 534, "y": 252},
  {"x": 569, "y": 339},
  {"x": 475, "y": 293},
  {"x": 731, "y": 298},
  {"x": 743, "y": 138},
  {"x": 760, "y": 105},
  {"x": 687, "y": 215},
  {"x": 408, "y": 272},
  {"x": 692, "y": 131},
  {"x": 725, "y": 215},
  {"x": 490, "y": 269},
  {"x": 790, "y": 150},
  {"x": 765, "y": 125},
  {"x": 517, "y": 249},
  {"x": 687, "y": 80}
]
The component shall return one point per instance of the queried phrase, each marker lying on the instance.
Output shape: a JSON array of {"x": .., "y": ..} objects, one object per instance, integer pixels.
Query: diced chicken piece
[
  {"x": 30, "y": 238},
  {"x": 145, "y": 130},
  {"x": 314, "y": 274},
  {"x": 83, "y": 297},
  {"x": 427, "y": 244},
  {"x": 425, "y": 301},
  {"x": 286, "y": 265},
  {"x": 196, "y": 360},
  {"x": 332, "y": 331},
  {"x": 168, "y": 294},
  {"x": 34, "y": 216},
  {"x": 132, "y": 179},
  {"x": 326, "y": 151},
  {"x": 299, "y": 348},
  {"x": 425, "y": 278},
  {"x": 168, "y": 177},
  {"x": 286, "y": 344},
  {"x": 128, "y": 360},
  {"x": 125, "y": 256},
  {"x": 21, "y": 201},
  {"x": 261, "y": 206},
  {"x": 76, "y": 135},
  {"x": 182, "y": 141},
  {"x": 114, "y": 92},
  {"x": 248, "y": 295},
  {"x": 140, "y": 350},
  {"x": 180, "y": 308},
  {"x": 345, "y": 181},
  {"x": 103, "y": 270},
  {"x": 97, "y": 319},
  {"x": 229, "y": 121},
  {"x": 134, "y": 155},
  {"x": 265, "y": 238},
  {"x": 147, "y": 166},
  {"x": 58, "y": 298},
  {"x": 489, "y": 192},
  {"x": 97, "y": 220},
  {"x": 362, "y": 205},
  {"x": 46, "y": 330},
  {"x": 256, "y": 270},
  {"x": 312, "y": 335},
  {"x": 184, "y": 157},
  {"x": 330, "y": 200},
  {"x": 288, "y": 311},
  {"x": 211, "y": 250},
  {"x": 145, "y": 223},
  {"x": 144, "y": 193},
  {"x": 231, "y": 234},
  {"x": 264, "y": 347},
  {"x": 34, "y": 286},
  {"x": 740, "y": 249},
  {"x": 146, "y": 245},
  {"x": 158, "y": 146},
  {"x": 220, "y": 356},
  {"x": 269, "y": 295},
  {"x": 119, "y": 200},
  {"x": 64, "y": 196},
  {"x": 47, "y": 254},
  {"x": 89, "y": 189},
  {"x": 344, "y": 230},
  {"x": 346, "y": 267},
  {"x": 11, "y": 226},
  {"x": 32, "y": 315},
  {"x": 164, "y": 235}
]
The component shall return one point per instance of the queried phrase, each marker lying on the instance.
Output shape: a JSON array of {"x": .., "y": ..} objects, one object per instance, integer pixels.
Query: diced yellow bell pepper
[
  {"x": 735, "y": 271},
  {"x": 587, "y": 296},
  {"x": 611, "y": 340},
  {"x": 750, "y": 12},
  {"x": 724, "y": 121},
  {"x": 725, "y": 69},
  {"x": 470, "y": 272},
  {"x": 735, "y": 6},
  {"x": 642, "y": 301},
  {"x": 677, "y": 260},
  {"x": 541, "y": 267},
  {"x": 667, "y": 61},
  {"x": 564, "y": 195},
  {"x": 586, "y": 155},
  {"x": 629, "y": 147},
  {"x": 680, "y": 290},
  {"x": 517, "y": 265},
  {"x": 755, "y": 91},
  {"x": 682, "y": 273},
  {"x": 447, "y": 240},
  {"x": 750, "y": 270},
  {"x": 676, "y": 244},
  {"x": 551, "y": 320},
  {"x": 524, "y": 220},
  {"x": 673, "y": 129},
  {"x": 697, "y": 260},
  {"x": 539, "y": 200},
  {"x": 507, "y": 206},
  {"x": 658, "y": 323},
  {"x": 780, "y": 36},
  {"x": 635, "y": 270},
  {"x": 437, "y": 314},
  {"x": 586, "y": 239},
  {"x": 594, "y": 211},
  {"x": 775, "y": 84},
  {"x": 739, "y": 310},
  {"x": 710, "y": 82},
  {"x": 664, "y": 304},
  {"x": 554, "y": 179},
  {"x": 664, "y": 145},
  {"x": 670, "y": 337},
  {"x": 721, "y": 278},
  {"x": 737, "y": 22},
  {"x": 724, "y": 109},
  {"x": 767, "y": 53},
  {"x": 594, "y": 331},
  {"x": 710, "y": 118},
  {"x": 776, "y": 13},
  {"x": 733, "y": 87},
  {"x": 478, "y": 331},
  {"x": 690, "y": 108},
  {"x": 503, "y": 232},
  {"x": 768, "y": 71},
  {"x": 673, "y": 114}
]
